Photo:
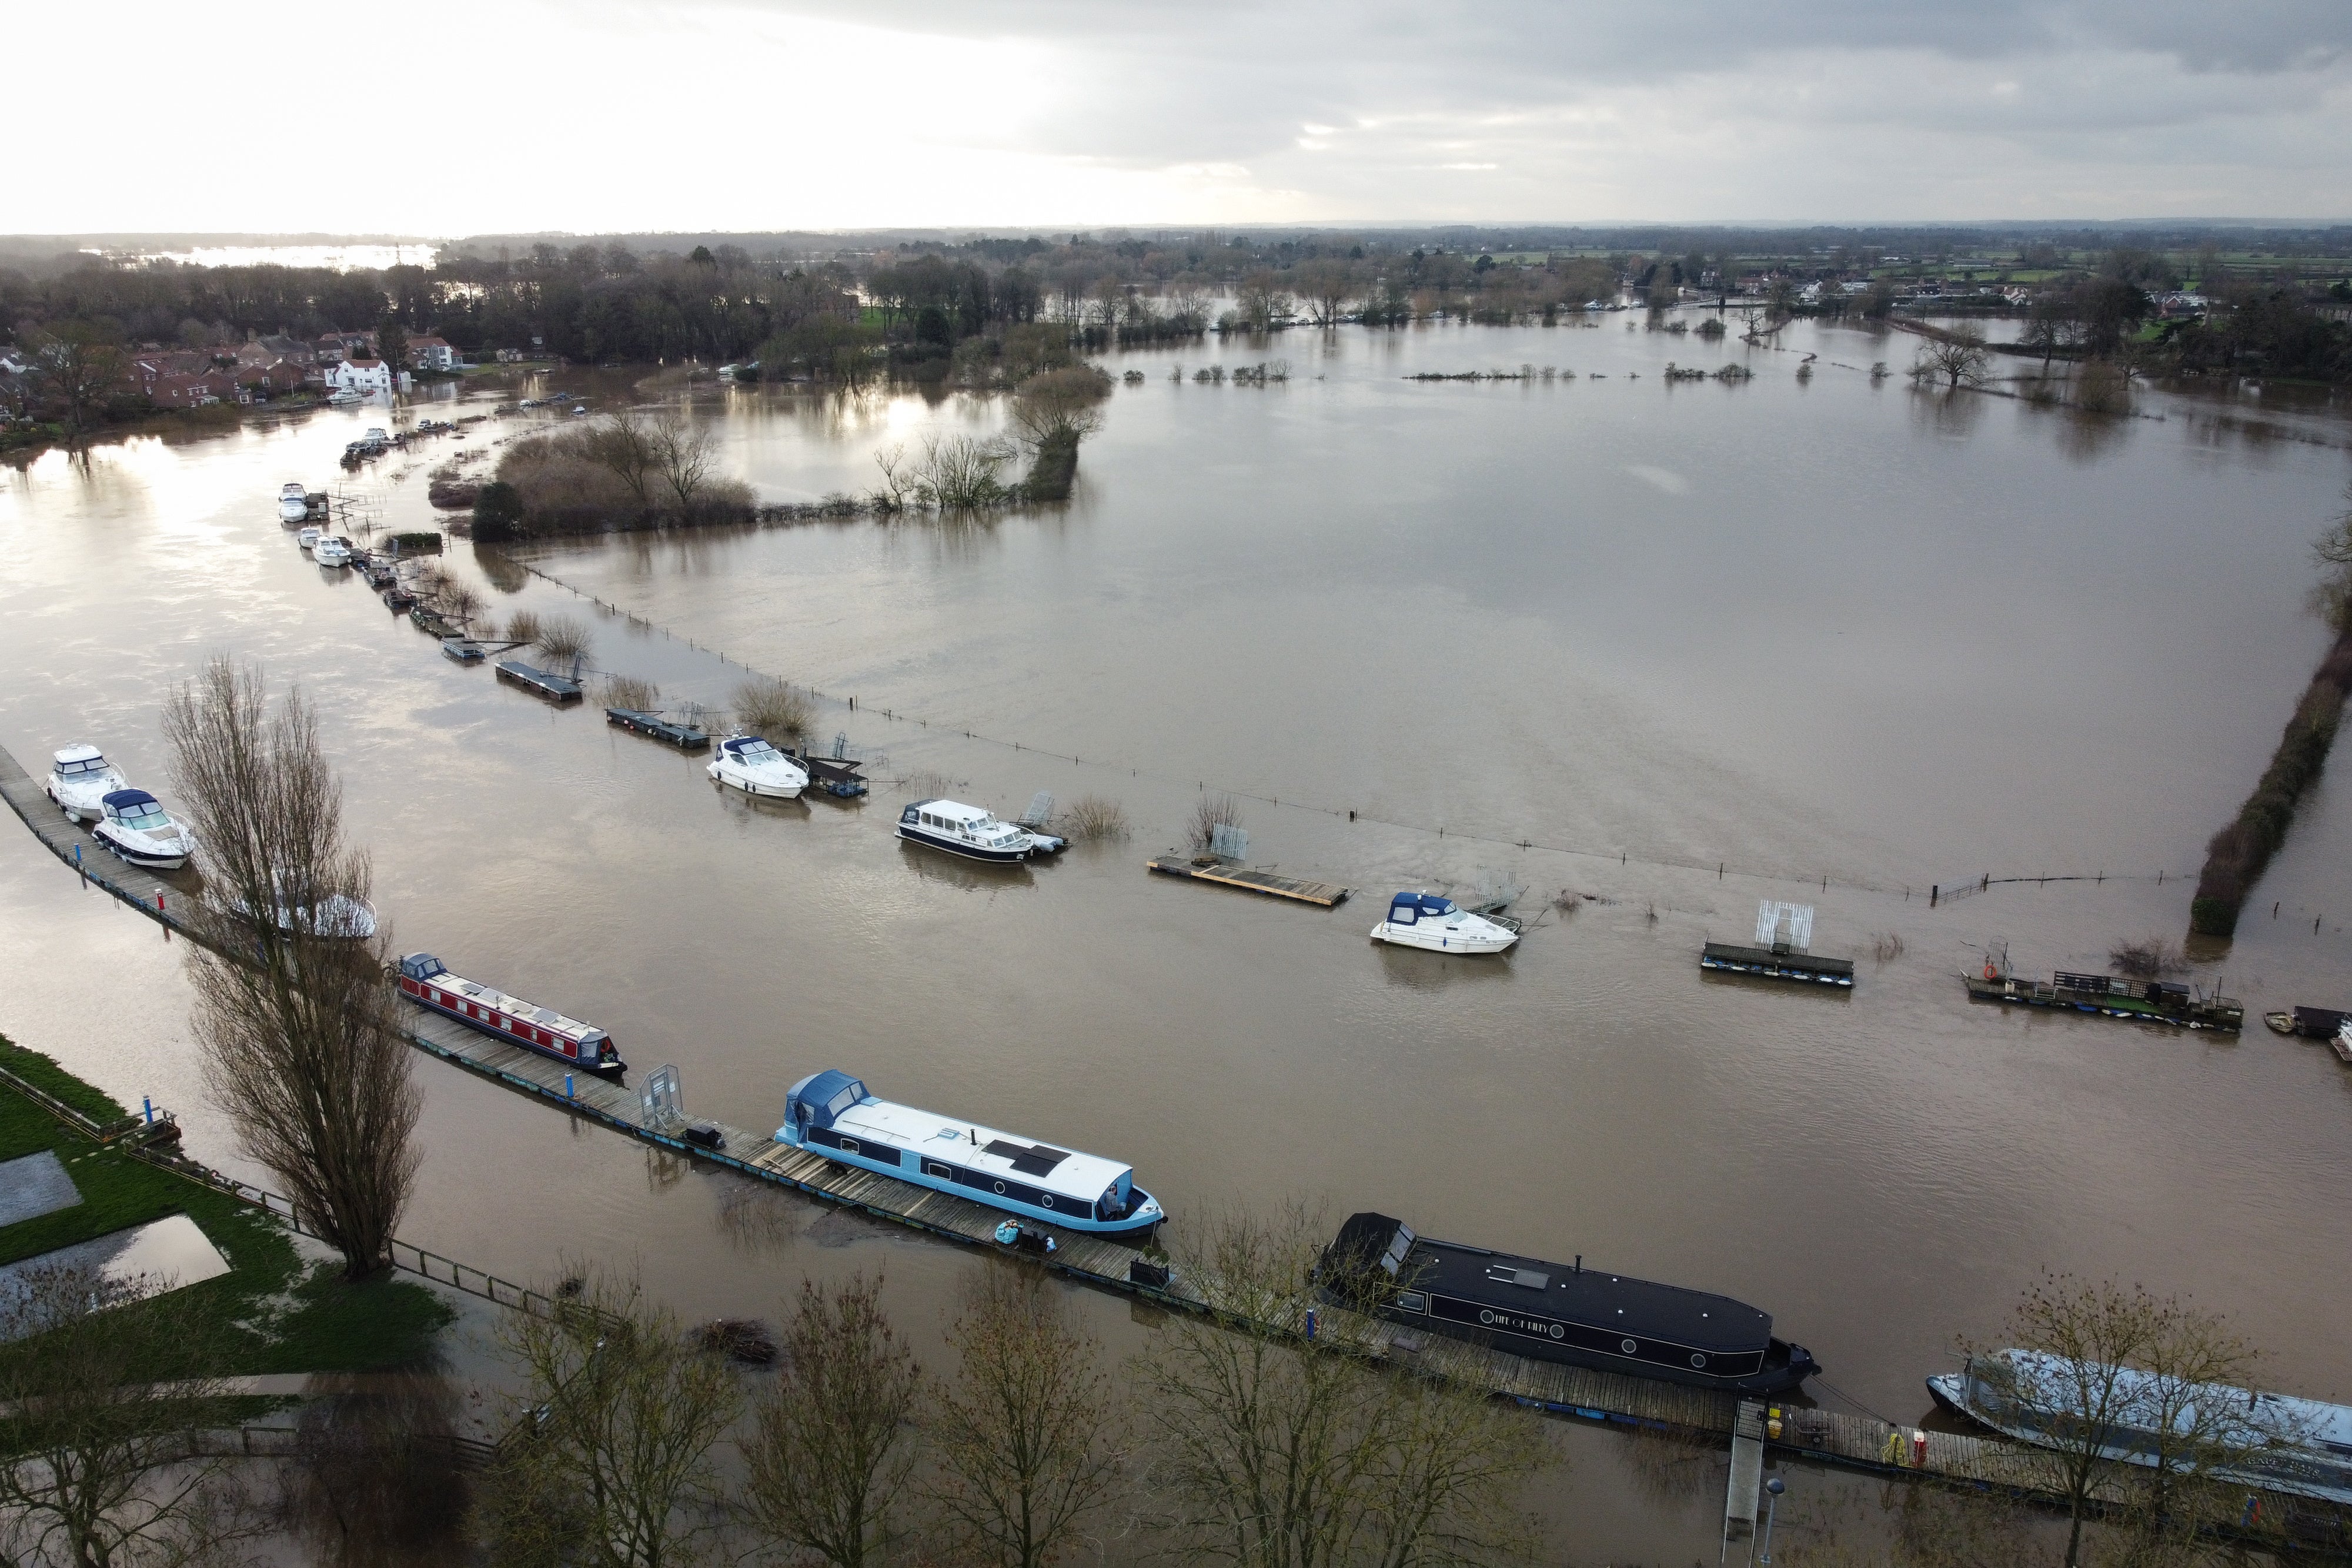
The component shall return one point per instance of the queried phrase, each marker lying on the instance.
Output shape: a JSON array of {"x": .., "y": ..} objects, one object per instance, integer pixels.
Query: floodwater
[{"x": 1840, "y": 639}]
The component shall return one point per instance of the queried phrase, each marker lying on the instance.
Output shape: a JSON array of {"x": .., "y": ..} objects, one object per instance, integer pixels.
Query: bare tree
[
  {"x": 1059, "y": 406},
  {"x": 683, "y": 452},
  {"x": 79, "y": 362},
  {"x": 98, "y": 1464},
  {"x": 1027, "y": 1435},
  {"x": 1263, "y": 300},
  {"x": 958, "y": 473},
  {"x": 623, "y": 443},
  {"x": 377, "y": 1481},
  {"x": 1211, "y": 812},
  {"x": 1958, "y": 355},
  {"x": 830, "y": 1451},
  {"x": 2091, "y": 1366},
  {"x": 462, "y": 604},
  {"x": 613, "y": 1464},
  {"x": 1282, "y": 1452},
  {"x": 293, "y": 1016},
  {"x": 1327, "y": 287}
]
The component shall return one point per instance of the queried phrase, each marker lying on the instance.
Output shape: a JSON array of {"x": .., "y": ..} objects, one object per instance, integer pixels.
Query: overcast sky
[{"x": 596, "y": 115}]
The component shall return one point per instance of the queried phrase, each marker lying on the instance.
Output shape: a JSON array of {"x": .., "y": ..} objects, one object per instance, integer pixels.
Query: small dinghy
[
  {"x": 972, "y": 832},
  {"x": 2280, "y": 1023},
  {"x": 830, "y": 1113},
  {"x": 747, "y": 763},
  {"x": 1425, "y": 920},
  {"x": 428, "y": 982},
  {"x": 293, "y": 502},
  {"x": 332, "y": 551},
  {"x": 309, "y": 537},
  {"x": 136, "y": 829},
  {"x": 80, "y": 778}
]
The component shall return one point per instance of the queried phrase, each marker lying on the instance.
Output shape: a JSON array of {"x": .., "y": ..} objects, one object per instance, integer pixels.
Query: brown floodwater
[{"x": 1814, "y": 631}]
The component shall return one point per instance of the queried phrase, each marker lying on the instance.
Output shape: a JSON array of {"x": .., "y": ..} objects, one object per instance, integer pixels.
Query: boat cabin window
[{"x": 845, "y": 1098}]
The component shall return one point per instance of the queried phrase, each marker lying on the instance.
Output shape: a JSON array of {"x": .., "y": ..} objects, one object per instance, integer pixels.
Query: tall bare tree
[
  {"x": 2094, "y": 1367},
  {"x": 1056, "y": 406},
  {"x": 1327, "y": 287},
  {"x": 1958, "y": 356},
  {"x": 613, "y": 1464},
  {"x": 1282, "y": 1452},
  {"x": 1027, "y": 1434},
  {"x": 831, "y": 1448},
  {"x": 104, "y": 1394},
  {"x": 623, "y": 443},
  {"x": 683, "y": 452},
  {"x": 79, "y": 362},
  {"x": 293, "y": 1017}
]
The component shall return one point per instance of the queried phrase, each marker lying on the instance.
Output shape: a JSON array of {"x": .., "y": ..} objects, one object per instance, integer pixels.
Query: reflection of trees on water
[
  {"x": 758, "y": 1221},
  {"x": 1948, "y": 412},
  {"x": 2085, "y": 436}
]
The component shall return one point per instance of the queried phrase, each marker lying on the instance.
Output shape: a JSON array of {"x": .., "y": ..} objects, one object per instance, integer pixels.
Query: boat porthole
[
  {"x": 1698, "y": 1361},
  {"x": 1558, "y": 1332},
  {"x": 1000, "y": 1186},
  {"x": 1047, "y": 1201},
  {"x": 1485, "y": 1316},
  {"x": 1628, "y": 1346}
]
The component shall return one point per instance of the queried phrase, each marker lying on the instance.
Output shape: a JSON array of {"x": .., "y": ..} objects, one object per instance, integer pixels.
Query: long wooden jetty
[
  {"x": 1828, "y": 1437},
  {"x": 685, "y": 737},
  {"x": 1774, "y": 965},
  {"x": 555, "y": 689},
  {"x": 1224, "y": 873}
]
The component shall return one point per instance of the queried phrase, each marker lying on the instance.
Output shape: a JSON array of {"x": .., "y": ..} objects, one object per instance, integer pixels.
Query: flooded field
[{"x": 1840, "y": 638}]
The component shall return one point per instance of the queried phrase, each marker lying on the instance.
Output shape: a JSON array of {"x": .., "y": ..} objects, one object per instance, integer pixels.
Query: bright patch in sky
[{"x": 771, "y": 114}]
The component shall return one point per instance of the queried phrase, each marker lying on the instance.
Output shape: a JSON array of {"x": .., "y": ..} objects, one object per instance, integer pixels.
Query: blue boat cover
[
  {"x": 124, "y": 799},
  {"x": 822, "y": 1094},
  {"x": 742, "y": 743},
  {"x": 1422, "y": 903}
]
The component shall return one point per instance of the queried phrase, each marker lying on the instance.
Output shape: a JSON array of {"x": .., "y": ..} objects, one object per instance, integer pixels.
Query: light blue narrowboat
[{"x": 830, "y": 1113}]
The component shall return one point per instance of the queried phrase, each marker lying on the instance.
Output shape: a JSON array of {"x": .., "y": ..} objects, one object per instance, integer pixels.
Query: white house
[
  {"x": 433, "y": 355},
  {"x": 365, "y": 377}
]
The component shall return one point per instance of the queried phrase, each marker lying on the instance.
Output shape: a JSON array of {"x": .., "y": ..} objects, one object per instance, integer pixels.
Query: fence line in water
[{"x": 1935, "y": 893}]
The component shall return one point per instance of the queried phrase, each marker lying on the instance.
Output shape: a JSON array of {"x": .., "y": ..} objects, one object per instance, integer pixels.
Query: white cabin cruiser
[
  {"x": 332, "y": 551},
  {"x": 972, "y": 832},
  {"x": 339, "y": 915},
  {"x": 81, "y": 778},
  {"x": 293, "y": 502},
  {"x": 747, "y": 763},
  {"x": 136, "y": 829},
  {"x": 1425, "y": 920},
  {"x": 830, "y": 1113},
  {"x": 309, "y": 537}
]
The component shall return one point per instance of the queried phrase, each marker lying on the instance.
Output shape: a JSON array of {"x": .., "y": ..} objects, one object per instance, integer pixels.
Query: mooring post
[
  {"x": 79, "y": 869},
  {"x": 147, "y": 1108},
  {"x": 1935, "y": 890},
  {"x": 567, "y": 1086}
]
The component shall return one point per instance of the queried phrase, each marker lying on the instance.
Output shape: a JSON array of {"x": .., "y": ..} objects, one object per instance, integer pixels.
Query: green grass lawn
[{"x": 280, "y": 1312}]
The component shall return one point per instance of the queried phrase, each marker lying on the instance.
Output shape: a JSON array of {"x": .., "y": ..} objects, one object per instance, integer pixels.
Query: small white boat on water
[
  {"x": 1425, "y": 920},
  {"x": 332, "y": 551},
  {"x": 747, "y": 763},
  {"x": 80, "y": 778},
  {"x": 135, "y": 827},
  {"x": 293, "y": 502},
  {"x": 309, "y": 537},
  {"x": 972, "y": 832}
]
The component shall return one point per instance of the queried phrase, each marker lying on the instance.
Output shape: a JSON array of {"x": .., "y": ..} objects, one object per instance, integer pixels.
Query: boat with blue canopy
[{"x": 1425, "y": 920}]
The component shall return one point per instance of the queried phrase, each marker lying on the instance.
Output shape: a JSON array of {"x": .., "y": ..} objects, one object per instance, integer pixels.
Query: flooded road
[{"x": 1819, "y": 630}]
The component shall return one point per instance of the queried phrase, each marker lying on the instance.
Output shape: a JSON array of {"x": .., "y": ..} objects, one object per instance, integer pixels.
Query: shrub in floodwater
[
  {"x": 1886, "y": 945},
  {"x": 766, "y": 706},
  {"x": 522, "y": 627},
  {"x": 1214, "y": 811},
  {"x": 631, "y": 691},
  {"x": 561, "y": 639},
  {"x": 1091, "y": 819},
  {"x": 2236, "y": 857},
  {"x": 2149, "y": 957}
]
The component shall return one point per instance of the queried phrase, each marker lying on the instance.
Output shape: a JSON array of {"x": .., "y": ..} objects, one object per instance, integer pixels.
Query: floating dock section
[
  {"x": 1323, "y": 894},
  {"x": 2112, "y": 996},
  {"x": 538, "y": 683},
  {"x": 1804, "y": 967},
  {"x": 685, "y": 737}
]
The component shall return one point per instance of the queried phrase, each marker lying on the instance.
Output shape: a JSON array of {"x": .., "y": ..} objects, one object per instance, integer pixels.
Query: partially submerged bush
[
  {"x": 631, "y": 691},
  {"x": 1212, "y": 812},
  {"x": 523, "y": 626},
  {"x": 1091, "y": 819},
  {"x": 769, "y": 707},
  {"x": 561, "y": 638}
]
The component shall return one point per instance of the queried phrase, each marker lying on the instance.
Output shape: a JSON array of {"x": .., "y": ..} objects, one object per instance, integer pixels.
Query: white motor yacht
[
  {"x": 135, "y": 827},
  {"x": 747, "y": 763},
  {"x": 81, "y": 778},
  {"x": 1425, "y": 920},
  {"x": 972, "y": 832},
  {"x": 338, "y": 913},
  {"x": 293, "y": 502},
  {"x": 332, "y": 551},
  {"x": 309, "y": 537}
]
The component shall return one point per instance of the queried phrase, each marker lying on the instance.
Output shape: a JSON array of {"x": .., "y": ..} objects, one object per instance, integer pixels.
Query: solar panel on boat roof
[{"x": 1038, "y": 1160}]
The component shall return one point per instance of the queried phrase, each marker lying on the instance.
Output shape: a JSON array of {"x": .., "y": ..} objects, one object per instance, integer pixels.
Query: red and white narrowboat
[{"x": 428, "y": 982}]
